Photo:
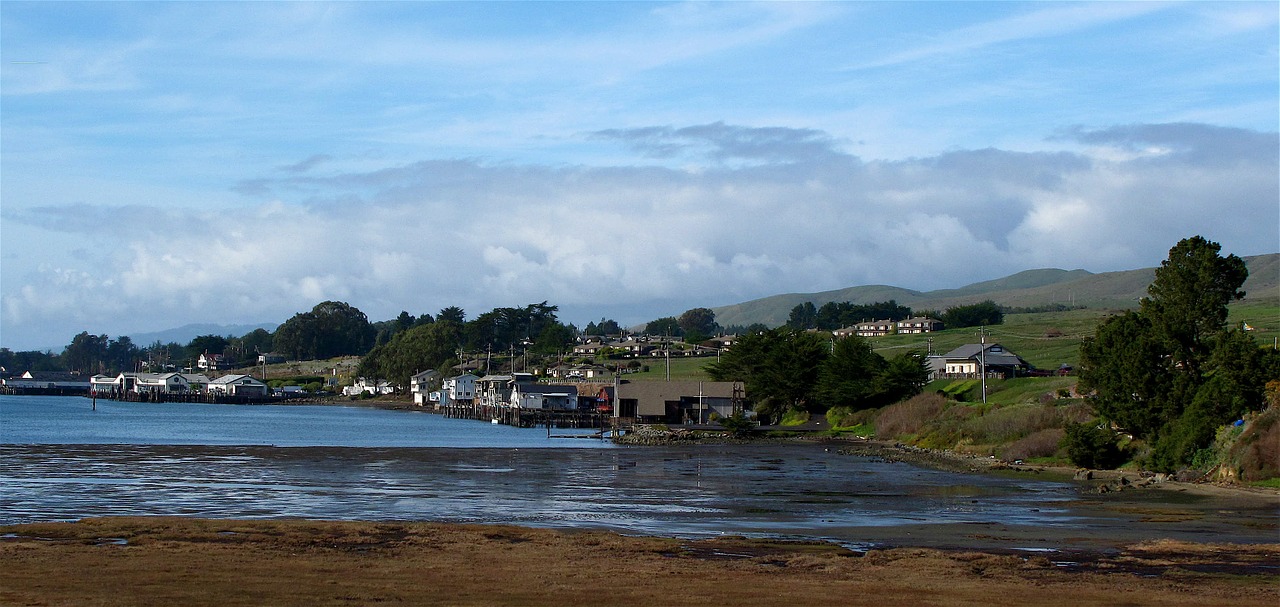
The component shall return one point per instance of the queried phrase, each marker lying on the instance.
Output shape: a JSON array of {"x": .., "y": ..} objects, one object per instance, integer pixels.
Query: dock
[{"x": 603, "y": 424}]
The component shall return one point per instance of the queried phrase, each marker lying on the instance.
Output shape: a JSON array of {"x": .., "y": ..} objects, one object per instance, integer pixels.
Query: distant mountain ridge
[
  {"x": 1030, "y": 288},
  {"x": 184, "y": 334}
]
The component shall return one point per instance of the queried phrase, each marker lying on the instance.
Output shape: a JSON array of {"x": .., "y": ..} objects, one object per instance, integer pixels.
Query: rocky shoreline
[{"x": 1096, "y": 481}]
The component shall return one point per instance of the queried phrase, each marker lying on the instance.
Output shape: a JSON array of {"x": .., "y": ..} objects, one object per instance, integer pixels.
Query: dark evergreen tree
[
  {"x": 698, "y": 325},
  {"x": 1172, "y": 373},
  {"x": 803, "y": 316},
  {"x": 848, "y": 377},
  {"x": 667, "y": 326},
  {"x": 330, "y": 329}
]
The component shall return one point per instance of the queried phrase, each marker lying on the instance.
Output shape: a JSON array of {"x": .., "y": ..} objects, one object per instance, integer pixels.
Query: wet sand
[{"x": 173, "y": 561}]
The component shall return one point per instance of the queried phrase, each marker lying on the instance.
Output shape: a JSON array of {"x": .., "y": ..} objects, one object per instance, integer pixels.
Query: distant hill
[
  {"x": 1031, "y": 288},
  {"x": 184, "y": 334}
]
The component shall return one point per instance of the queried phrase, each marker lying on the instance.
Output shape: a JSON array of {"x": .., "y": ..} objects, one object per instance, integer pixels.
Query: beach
[{"x": 194, "y": 562}]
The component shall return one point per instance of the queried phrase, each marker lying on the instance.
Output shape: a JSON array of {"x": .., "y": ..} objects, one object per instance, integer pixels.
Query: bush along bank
[{"x": 1055, "y": 431}]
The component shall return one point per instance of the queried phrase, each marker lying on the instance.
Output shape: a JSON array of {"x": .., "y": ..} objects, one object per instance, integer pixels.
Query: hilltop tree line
[
  {"x": 838, "y": 315},
  {"x": 393, "y": 349}
]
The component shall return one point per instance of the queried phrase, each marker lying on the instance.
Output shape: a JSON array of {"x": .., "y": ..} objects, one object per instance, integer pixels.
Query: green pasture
[{"x": 682, "y": 368}]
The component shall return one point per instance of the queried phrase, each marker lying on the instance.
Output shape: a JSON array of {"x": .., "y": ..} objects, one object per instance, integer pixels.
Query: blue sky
[{"x": 172, "y": 163}]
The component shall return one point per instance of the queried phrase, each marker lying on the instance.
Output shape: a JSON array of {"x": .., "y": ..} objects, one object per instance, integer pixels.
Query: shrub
[
  {"x": 837, "y": 415},
  {"x": 908, "y": 416},
  {"x": 1041, "y": 443},
  {"x": 738, "y": 425},
  {"x": 795, "y": 417},
  {"x": 845, "y": 417},
  {"x": 1010, "y": 423},
  {"x": 1092, "y": 446},
  {"x": 1253, "y": 454}
]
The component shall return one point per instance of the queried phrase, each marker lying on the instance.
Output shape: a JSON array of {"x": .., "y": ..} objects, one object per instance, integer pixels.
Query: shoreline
[{"x": 1099, "y": 480}]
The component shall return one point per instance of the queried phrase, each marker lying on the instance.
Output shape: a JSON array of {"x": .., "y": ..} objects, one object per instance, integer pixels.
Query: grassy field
[
  {"x": 1046, "y": 340},
  {"x": 681, "y": 368},
  {"x": 1263, "y": 314},
  {"x": 1050, "y": 339}
]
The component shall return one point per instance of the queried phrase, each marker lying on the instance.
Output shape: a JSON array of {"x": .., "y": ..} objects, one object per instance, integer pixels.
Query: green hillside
[{"x": 1032, "y": 288}]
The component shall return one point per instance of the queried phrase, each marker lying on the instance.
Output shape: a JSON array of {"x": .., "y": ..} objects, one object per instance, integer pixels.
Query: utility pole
[
  {"x": 666, "y": 348},
  {"x": 982, "y": 367}
]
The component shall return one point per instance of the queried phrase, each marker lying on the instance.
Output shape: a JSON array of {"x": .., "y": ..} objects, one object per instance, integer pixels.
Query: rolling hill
[{"x": 1031, "y": 288}]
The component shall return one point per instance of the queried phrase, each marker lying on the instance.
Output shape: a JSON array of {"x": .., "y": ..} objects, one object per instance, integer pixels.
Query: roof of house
[
  {"x": 546, "y": 389},
  {"x": 651, "y": 396},
  {"x": 233, "y": 378},
  {"x": 875, "y": 323},
  {"x": 54, "y": 376},
  {"x": 996, "y": 355}
]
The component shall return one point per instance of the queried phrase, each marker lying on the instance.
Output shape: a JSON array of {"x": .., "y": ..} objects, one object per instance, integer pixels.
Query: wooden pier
[
  {"x": 198, "y": 397},
  {"x": 604, "y": 424}
]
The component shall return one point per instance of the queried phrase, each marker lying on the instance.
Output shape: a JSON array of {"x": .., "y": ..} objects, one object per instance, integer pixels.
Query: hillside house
[
  {"x": 588, "y": 349},
  {"x": 970, "y": 361},
  {"x": 844, "y": 332},
  {"x": 270, "y": 358},
  {"x": 919, "y": 324},
  {"x": 723, "y": 342},
  {"x": 580, "y": 372},
  {"x": 212, "y": 362},
  {"x": 632, "y": 347},
  {"x": 875, "y": 328}
]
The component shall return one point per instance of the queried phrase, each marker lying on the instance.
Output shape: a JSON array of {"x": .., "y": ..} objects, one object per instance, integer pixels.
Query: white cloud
[{"x": 426, "y": 235}]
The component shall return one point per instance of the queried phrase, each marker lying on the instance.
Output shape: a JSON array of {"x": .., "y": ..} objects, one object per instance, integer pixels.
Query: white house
[
  {"x": 211, "y": 362},
  {"x": 238, "y": 385},
  {"x": 458, "y": 389},
  {"x": 363, "y": 385},
  {"x": 971, "y": 360},
  {"x": 422, "y": 384}
]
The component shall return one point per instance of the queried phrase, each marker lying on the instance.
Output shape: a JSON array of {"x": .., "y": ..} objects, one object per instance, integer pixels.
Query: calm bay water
[
  {"x": 60, "y": 460},
  {"x": 65, "y": 420}
]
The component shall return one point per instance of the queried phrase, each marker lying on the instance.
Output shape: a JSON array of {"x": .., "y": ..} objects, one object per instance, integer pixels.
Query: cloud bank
[{"x": 731, "y": 213}]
